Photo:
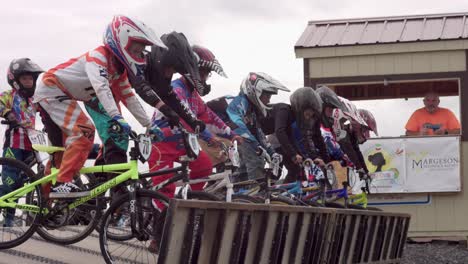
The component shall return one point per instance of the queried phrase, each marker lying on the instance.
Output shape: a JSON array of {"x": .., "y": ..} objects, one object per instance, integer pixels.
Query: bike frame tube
[
  {"x": 358, "y": 199},
  {"x": 130, "y": 173}
]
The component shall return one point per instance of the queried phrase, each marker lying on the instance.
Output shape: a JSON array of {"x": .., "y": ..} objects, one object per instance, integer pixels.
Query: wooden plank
[
  {"x": 211, "y": 221},
  {"x": 268, "y": 237},
  {"x": 290, "y": 244},
  {"x": 354, "y": 235},
  {"x": 255, "y": 235},
  {"x": 228, "y": 236}
]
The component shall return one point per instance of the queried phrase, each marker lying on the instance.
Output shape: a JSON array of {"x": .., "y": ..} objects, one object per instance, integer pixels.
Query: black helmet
[
  {"x": 19, "y": 67},
  {"x": 329, "y": 97},
  {"x": 305, "y": 98},
  {"x": 179, "y": 55}
]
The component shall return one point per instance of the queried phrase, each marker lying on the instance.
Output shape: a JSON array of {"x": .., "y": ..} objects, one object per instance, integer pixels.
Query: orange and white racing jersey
[{"x": 92, "y": 75}]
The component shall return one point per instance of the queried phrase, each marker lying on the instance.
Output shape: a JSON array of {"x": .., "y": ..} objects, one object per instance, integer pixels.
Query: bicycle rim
[
  {"x": 17, "y": 225},
  {"x": 282, "y": 200},
  {"x": 133, "y": 250},
  {"x": 241, "y": 198},
  {"x": 71, "y": 226}
]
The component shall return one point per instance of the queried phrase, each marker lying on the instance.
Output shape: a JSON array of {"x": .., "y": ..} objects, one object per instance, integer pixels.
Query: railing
[{"x": 218, "y": 232}]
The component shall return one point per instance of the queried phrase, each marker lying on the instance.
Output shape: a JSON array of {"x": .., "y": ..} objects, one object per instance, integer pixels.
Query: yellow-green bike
[{"x": 36, "y": 210}]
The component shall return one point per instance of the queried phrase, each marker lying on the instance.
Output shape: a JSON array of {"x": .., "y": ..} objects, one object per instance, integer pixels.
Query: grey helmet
[
  {"x": 329, "y": 97},
  {"x": 257, "y": 83},
  {"x": 305, "y": 98}
]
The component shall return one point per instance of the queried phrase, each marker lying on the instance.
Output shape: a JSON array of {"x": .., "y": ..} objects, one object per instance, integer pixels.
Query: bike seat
[{"x": 48, "y": 149}]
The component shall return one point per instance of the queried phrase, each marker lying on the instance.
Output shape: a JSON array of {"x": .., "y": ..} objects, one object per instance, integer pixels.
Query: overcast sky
[{"x": 244, "y": 35}]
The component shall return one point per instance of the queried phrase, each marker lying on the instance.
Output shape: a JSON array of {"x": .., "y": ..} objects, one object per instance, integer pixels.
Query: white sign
[
  {"x": 412, "y": 165},
  {"x": 37, "y": 137}
]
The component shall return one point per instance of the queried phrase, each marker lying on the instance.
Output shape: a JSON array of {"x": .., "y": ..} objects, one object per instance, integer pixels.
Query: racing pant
[
  {"x": 163, "y": 156},
  {"x": 66, "y": 125},
  {"x": 115, "y": 143},
  {"x": 251, "y": 163},
  {"x": 11, "y": 179}
]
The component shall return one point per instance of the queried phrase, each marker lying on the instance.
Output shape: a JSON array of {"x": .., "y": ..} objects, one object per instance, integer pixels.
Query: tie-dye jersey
[
  {"x": 196, "y": 105},
  {"x": 24, "y": 111}
]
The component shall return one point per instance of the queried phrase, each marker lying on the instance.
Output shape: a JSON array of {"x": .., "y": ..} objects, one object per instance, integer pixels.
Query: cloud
[{"x": 244, "y": 35}]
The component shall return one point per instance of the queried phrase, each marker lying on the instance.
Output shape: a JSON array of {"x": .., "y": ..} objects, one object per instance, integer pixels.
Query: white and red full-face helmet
[{"x": 121, "y": 33}]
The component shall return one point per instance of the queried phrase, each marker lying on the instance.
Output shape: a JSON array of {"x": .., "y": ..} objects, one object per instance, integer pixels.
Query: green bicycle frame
[
  {"x": 358, "y": 199},
  {"x": 130, "y": 172}
]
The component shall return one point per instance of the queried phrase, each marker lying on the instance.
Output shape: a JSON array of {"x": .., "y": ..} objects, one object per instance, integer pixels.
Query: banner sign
[{"x": 412, "y": 165}]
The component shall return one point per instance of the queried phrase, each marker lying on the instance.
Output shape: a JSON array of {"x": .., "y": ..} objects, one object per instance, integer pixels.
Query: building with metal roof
[{"x": 399, "y": 57}]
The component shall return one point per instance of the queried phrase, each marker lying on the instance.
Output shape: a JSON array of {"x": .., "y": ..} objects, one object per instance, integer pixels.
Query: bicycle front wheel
[
  {"x": 138, "y": 248},
  {"x": 18, "y": 224}
]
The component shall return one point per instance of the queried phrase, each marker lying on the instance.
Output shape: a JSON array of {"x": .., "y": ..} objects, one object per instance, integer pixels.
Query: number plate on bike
[
  {"x": 37, "y": 137},
  {"x": 144, "y": 146},
  {"x": 193, "y": 143}
]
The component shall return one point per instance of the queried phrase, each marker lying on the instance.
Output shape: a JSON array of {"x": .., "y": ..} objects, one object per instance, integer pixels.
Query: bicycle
[
  {"x": 39, "y": 208},
  {"x": 144, "y": 215},
  {"x": 55, "y": 233}
]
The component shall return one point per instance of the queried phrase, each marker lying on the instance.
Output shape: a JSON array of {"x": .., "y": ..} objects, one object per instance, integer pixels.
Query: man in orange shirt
[{"x": 432, "y": 119}]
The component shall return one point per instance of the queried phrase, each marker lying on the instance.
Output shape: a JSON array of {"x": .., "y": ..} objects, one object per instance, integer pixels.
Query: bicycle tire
[
  {"x": 313, "y": 203},
  {"x": 242, "y": 198},
  {"x": 370, "y": 208},
  {"x": 282, "y": 200},
  {"x": 79, "y": 224},
  {"x": 30, "y": 176},
  {"x": 201, "y": 195},
  {"x": 334, "y": 205},
  {"x": 106, "y": 245},
  {"x": 356, "y": 207}
]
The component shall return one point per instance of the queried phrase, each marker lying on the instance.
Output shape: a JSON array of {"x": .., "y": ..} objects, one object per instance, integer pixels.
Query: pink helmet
[
  {"x": 359, "y": 126},
  {"x": 370, "y": 120},
  {"x": 120, "y": 34}
]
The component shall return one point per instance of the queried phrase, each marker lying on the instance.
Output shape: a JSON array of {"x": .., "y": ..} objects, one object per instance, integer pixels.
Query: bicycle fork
[{"x": 136, "y": 216}]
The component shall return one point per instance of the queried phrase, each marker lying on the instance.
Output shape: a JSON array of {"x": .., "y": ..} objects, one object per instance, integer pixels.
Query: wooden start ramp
[{"x": 217, "y": 232}]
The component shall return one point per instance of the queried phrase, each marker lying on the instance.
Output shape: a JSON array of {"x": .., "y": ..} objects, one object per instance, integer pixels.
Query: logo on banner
[
  {"x": 382, "y": 163},
  {"x": 439, "y": 163}
]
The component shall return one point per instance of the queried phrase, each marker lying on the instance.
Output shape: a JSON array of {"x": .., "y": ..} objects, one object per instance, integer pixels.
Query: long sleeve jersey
[
  {"x": 25, "y": 113},
  {"x": 240, "y": 115},
  {"x": 94, "y": 74},
  {"x": 293, "y": 140},
  {"x": 154, "y": 87},
  {"x": 192, "y": 101}
]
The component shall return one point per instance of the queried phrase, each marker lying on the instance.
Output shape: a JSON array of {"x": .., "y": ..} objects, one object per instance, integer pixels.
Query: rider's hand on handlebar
[
  {"x": 155, "y": 132},
  {"x": 297, "y": 159},
  {"x": 10, "y": 117},
  {"x": 198, "y": 124},
  {"x": 319, "y": 162},
  {"x": 123, "y": 124},
  {"x": 277, "y": 157},
  {"x": 237, "y": 138}
]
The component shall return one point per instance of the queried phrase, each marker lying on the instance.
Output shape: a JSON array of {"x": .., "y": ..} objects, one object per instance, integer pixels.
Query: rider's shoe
[{"x": 66, "y": 190}]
